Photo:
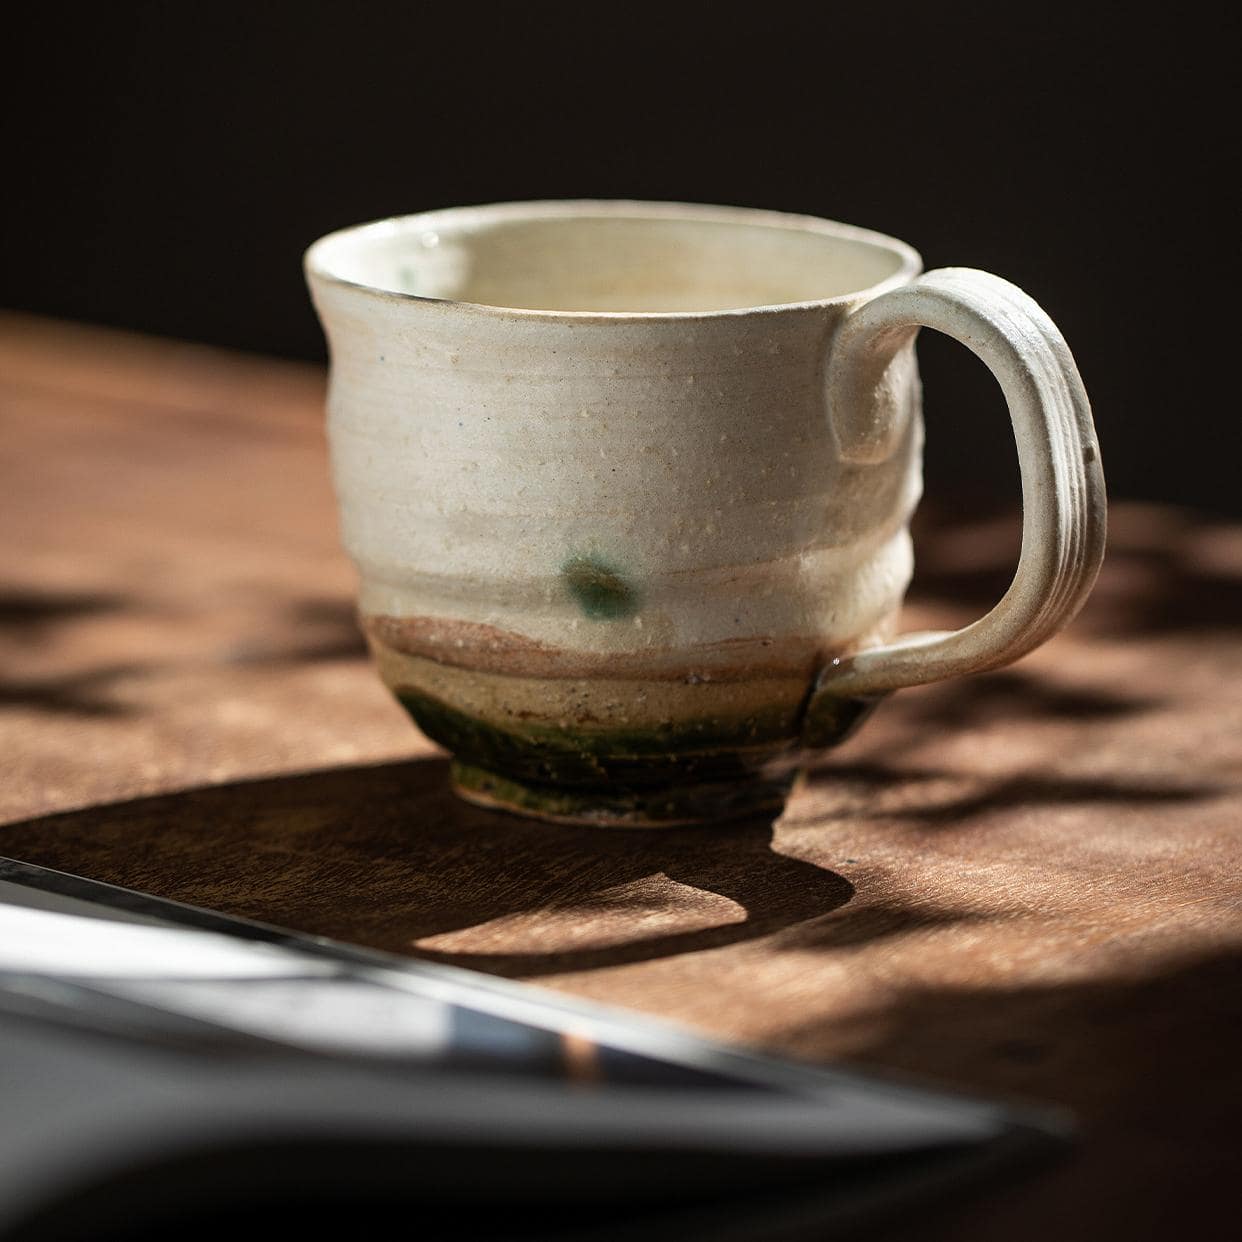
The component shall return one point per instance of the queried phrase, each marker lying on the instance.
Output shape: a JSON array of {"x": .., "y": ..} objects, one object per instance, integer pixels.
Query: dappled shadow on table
[
  {"x": 30, "y": 614},
  {"x": 1167, "y": 570},
  {"x": 905, "y": 793},
  {"x": 299, "y": 631},
  {"x": 29, "y": 619}
]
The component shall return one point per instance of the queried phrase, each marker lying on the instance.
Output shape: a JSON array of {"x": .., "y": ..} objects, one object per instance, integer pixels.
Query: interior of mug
[{"x": 622, "y": 258}]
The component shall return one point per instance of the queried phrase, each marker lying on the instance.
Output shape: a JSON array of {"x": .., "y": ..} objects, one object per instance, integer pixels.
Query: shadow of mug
[{"x": 387, "y": 857}]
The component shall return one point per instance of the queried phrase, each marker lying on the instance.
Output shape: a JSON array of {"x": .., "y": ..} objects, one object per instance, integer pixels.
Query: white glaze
[{"x": 477, "y": 448}]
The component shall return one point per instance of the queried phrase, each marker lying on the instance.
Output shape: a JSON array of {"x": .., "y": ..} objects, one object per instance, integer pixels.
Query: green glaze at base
[
  {"x": 674, "y": 806},
  {"x": 539, "y": 753},
  {"x": 694, "y": 771},
  {"x": 829, "y": 721}
]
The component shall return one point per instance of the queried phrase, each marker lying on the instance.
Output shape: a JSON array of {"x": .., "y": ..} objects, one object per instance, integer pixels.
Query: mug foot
[{"x": 667, "y": 807}]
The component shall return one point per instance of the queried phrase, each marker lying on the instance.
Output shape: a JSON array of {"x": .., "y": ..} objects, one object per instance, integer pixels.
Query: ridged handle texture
[{"x": 1063, "y": 496}]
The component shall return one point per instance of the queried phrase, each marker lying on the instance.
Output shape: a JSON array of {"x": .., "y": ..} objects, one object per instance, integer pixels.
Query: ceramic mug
[{"x": 628, "y": 488}]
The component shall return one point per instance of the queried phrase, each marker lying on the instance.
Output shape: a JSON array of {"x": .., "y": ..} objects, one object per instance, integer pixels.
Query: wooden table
[{"x": 1025, "y": 883}]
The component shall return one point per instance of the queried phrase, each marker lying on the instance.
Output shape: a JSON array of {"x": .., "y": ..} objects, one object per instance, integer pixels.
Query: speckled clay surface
[{"x": 628, "y": 488}]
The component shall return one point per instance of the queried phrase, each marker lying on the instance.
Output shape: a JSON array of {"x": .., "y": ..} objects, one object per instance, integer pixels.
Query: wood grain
[{"x": 1026, "y": 882}]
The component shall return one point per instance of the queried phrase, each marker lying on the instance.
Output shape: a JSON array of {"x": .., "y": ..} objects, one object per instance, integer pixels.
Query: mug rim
[{"x": 316, "y": 269}]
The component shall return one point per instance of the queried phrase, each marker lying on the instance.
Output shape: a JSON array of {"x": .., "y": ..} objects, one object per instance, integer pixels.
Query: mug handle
[{"x": 1063, "y": 498}]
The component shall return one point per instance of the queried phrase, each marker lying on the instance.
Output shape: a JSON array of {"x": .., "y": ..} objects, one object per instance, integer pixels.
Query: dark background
[{"x": 169, "y": 163}]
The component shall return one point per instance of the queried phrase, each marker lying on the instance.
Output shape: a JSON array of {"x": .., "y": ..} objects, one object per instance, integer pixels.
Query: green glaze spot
[{"x": 601, "y": 590}]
